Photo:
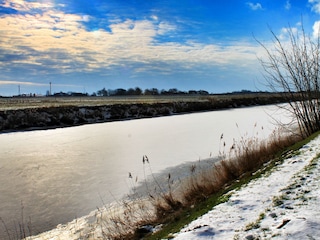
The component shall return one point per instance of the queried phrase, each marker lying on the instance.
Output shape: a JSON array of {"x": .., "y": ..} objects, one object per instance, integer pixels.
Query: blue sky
[{"x": 84, "y": 46}]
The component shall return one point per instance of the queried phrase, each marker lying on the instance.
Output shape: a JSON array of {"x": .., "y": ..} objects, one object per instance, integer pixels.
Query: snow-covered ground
[{"x": 282, "y": 205}]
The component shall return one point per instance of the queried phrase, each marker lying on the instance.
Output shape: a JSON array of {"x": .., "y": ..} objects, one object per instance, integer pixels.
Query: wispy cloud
[
  {"x": 52, "y": 39},
  {"x": 23, "y": 6},
  {"x": 286, "y": 32},
  {"x": 255, "y": 6},
  {"x": 287, "y": 6},
  {"x": 8, "y": 82},
  {"x": 26, "y": 83},
  {"x": 315, "y": 5},
  {"x": 43, "y": 43}
]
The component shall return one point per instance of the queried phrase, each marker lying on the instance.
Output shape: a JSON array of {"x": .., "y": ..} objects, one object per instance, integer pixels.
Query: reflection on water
[{"x": 60, "y": 174}]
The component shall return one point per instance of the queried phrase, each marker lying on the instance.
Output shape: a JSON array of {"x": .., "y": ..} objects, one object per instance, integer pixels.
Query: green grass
[
  {"x": 188, "y": 215},
  {"x": 313, "y": 164}
]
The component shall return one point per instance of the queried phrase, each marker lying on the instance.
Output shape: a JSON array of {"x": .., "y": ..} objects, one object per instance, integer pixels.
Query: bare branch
[{"x": 291, "y": 68}]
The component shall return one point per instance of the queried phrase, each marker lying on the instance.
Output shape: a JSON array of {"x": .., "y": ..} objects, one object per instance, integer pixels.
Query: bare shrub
[
  {"x": 115, "y": 222},
  {"x": 291, "y": 68}
]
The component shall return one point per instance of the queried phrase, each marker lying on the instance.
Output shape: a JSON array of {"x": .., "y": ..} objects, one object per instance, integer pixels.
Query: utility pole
[
  {"x": 19, "y": 93},
  {"x": 50, "y": 89}
]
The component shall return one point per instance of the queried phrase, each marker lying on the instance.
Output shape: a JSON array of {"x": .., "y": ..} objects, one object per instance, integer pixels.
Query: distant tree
[
  {"x": 192, "y": 92},
  {"x": 111, "y": 92},
  {"x": 102, "y": 92},
  {"x": 292, "y": 69},
  {"x": 151, "y": 91},
  {"x": 245, "y": 91},
  {"x": 131, "y": 91},
  {"x": 164, "y": 92},
  {"x": 203, "y": 92},
  {"x": 120, "y": 92},
  {"x": 173, "y": 91},
  {"x": 138, "y": 91}
]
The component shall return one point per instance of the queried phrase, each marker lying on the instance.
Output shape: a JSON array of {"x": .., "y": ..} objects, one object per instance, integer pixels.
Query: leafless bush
[{"x": 291, "y": 68}]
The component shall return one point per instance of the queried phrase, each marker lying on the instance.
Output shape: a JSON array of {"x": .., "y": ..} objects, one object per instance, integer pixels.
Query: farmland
[
  {"x": 15, "y": 103},
  {"x": 83, "y": 101},
  {"x": 31, "y": 113}
]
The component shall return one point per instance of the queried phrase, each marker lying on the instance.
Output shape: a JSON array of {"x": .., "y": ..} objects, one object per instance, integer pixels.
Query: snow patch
[{"x": 282, "y": 205}]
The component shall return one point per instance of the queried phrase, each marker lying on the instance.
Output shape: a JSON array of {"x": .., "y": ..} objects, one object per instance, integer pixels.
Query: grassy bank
[
  {"x": 190, "y": 213},
  {"x": 170, "y": 211}
]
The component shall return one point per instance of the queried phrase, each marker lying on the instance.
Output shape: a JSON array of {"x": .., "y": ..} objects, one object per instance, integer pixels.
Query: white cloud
[
  {"x": 86, "y": 18},
  {"x": 286, "y": 32},
  {"x": 56, "y": 40},
  {"x": 165, "y": 27},
  {"x": 154, "y": 17},
  {"x": 316, "y": 28},
  {"x": 24, "y": 6},
  {"x": 255, "y": 6},
  {"x": 315, "y": 5}
]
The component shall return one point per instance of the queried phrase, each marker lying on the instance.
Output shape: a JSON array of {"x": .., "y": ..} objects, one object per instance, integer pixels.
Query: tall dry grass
[
  {"x": 244, "y": 157},
  {"x": 123, "y": 220},
  {"x": 22, "y": 229}
]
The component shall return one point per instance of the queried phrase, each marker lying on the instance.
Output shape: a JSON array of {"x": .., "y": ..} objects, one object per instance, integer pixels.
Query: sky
[{"x": 84, "y": 46}]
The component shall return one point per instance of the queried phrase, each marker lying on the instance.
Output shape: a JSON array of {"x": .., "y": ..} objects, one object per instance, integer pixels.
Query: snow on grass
[{"x": 281, "y": 205}]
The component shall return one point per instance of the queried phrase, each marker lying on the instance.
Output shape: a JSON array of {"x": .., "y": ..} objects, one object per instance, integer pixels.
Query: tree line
[
  {"x": 139, "y": 92},
  {"x": 151, "y": 91},
  {"x": 133, "y": 92}
]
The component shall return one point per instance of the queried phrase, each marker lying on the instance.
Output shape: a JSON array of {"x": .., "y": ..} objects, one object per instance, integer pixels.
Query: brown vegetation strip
[
  {"x": 85, "y": 113},
  {"x": 244, "y": 158}
]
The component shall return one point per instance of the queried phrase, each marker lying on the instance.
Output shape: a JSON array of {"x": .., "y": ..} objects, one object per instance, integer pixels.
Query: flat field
[
  {"x": 14, "y": 103},
  {"x": 40, "y": 102}
]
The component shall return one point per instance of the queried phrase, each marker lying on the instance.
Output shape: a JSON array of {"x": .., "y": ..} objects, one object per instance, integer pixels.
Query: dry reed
[{"x": 244, "y": 157}]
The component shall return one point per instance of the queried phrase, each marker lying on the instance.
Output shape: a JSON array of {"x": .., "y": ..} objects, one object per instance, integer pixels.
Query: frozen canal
[{"x": 60, "y": 174}]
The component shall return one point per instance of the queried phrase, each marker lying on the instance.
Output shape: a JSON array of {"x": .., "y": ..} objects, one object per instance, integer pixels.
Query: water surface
[{"x": 57, "y": 175}]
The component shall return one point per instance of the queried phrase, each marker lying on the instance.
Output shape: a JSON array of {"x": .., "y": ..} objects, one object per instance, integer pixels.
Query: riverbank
[
  {"x": 21, "y": 114},
  {"x": 282, "y": 203}
]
